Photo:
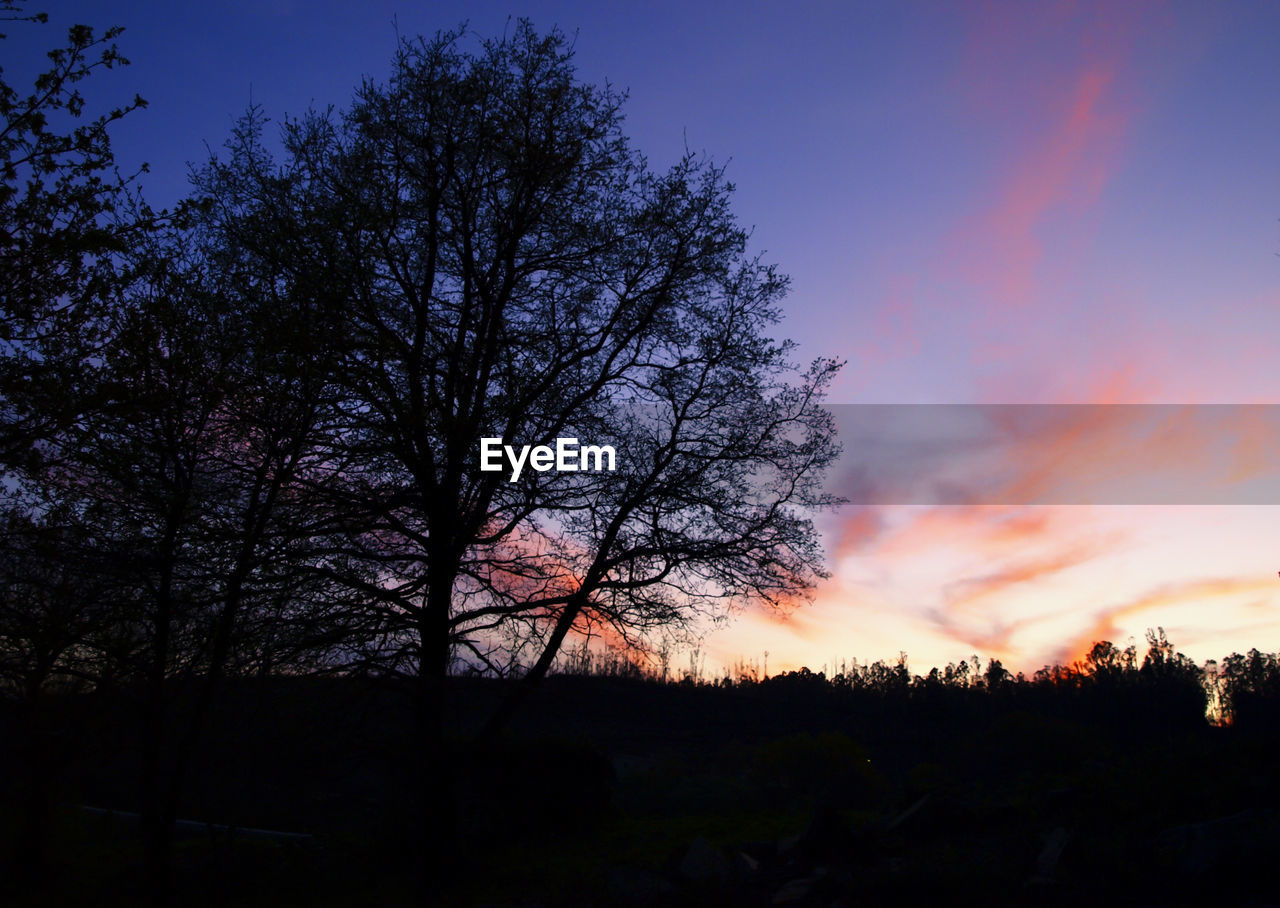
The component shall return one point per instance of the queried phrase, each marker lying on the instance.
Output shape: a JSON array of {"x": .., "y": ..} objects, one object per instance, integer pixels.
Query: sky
[{"x": 984, "y": 203}]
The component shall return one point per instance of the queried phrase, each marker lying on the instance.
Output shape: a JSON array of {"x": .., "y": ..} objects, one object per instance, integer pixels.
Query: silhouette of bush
[
  {"x": 823, "y": 768},
  {"x": 522, "y": 785},
  {"x": 1250, "y": 691}
]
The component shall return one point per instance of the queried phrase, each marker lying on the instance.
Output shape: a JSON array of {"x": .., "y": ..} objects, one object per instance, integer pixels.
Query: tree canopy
[
  {"x": 65, "y": 211},
  {"x": 499, "y": 262}
]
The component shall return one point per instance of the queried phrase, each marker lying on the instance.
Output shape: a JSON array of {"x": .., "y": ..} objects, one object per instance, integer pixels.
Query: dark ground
[{"x": 612, "y": 791}]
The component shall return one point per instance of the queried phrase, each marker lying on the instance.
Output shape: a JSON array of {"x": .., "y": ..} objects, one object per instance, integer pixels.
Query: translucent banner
[{"x": 1019, "y": 454}]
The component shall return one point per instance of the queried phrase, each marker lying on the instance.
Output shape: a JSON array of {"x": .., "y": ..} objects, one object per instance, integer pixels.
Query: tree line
[{"x": 1159, "y": 687}]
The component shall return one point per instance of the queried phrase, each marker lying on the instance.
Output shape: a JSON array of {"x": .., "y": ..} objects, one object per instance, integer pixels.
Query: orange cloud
[
  {"x": 965, "y": 600},
  {"x": 967, "y": 591},
  {"x": 996, "y": 548},
  {"x": 987, "y": 531},
  {"x": 1001, "y": 549},
  {"x": 858, "y": 529},
  {"x": 1167, "y": 454},
  {"x": 799, "y": 623},
  {"x": 1105, "y": 626}
]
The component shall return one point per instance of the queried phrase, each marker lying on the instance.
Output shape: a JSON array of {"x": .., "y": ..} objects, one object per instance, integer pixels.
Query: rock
[
  {"x": 704, "y": 862},
  {"x": 902, "y": 818},
  {"x": 795, "y": 891},
  {"x": 1242, "y": 839},
  {"x": 1047, "y": 860},
  {"x": 632, "y": 886},
  {"x": 744, "y": 864}
]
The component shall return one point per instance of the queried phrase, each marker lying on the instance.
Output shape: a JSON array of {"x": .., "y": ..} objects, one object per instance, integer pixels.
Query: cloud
[
  {"x": 1051, "y": 83},
  {"x": 892, "y": 332},
  {"x": 969, "y": 591},
  {"x": 1030, "y": 550},
  {"x": 984, "y": 531},
  {"x": 859, "y": 527},
  {"x": 977, "y": 567},
  {"x": 1106, "y": 623},
  {"x": 1000, "y": 249}
]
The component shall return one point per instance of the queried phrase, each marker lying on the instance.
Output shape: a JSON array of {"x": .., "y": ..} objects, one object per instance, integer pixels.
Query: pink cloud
[
  {"x": 893, "y": 331},
  {"x": 999, "y": 248},
  {"x": 1052, "y": 83},
  {"x": 1105, "y": 624}
]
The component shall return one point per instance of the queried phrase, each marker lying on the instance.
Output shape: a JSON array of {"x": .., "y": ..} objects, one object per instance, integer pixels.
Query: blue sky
[{"x": 998, "y": 202}]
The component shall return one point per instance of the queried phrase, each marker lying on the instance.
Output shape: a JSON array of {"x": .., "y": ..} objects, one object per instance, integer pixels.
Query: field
[{"x": 797, "y": 790}]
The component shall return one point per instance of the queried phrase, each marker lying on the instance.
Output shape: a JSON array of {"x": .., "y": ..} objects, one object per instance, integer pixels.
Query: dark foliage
[
  {"x": 875, "y": 785},
  {"x": 65, "y": 216}
]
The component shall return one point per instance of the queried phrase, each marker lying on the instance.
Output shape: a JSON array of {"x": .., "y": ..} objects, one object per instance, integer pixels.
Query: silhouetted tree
[
  {"x": 1250, "y": 690},
  {"x": 52, "y": 597},
  {"x": 194, "y": 474},
  {"x": 510, "y": 267},
  {"x": 66, "y": 214}
]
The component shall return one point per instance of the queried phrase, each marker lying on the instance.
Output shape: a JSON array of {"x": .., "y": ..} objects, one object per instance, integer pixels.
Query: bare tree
[
  {"x": 508, "y": 266},
  {"x": 193, "y": 477}
]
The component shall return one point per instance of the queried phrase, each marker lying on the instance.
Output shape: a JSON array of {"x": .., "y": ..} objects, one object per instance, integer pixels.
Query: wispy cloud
[
  {"x": 999, "y": 249},
  {"x": 1106, "y": 623}
]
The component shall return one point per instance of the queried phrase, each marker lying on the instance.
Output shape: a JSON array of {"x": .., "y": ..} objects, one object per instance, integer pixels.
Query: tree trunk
[
  {"x": 31, "y": 850},
  {"x": 157, "y": 823},
  {"x": 525, "y": 686},
  {"x": 438, "y": 806}
]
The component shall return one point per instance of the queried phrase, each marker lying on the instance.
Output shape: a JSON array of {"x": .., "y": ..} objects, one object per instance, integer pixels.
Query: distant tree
[
  {"x": 1250, "y": 689},
  {"x": 1105, "y": 661},
  {"x": 996, "y": 677},
  {"x": 510, "y": 267}
]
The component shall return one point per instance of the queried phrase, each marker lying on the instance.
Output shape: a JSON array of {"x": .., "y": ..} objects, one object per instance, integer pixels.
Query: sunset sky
[{"x": 978, "y": 203}]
